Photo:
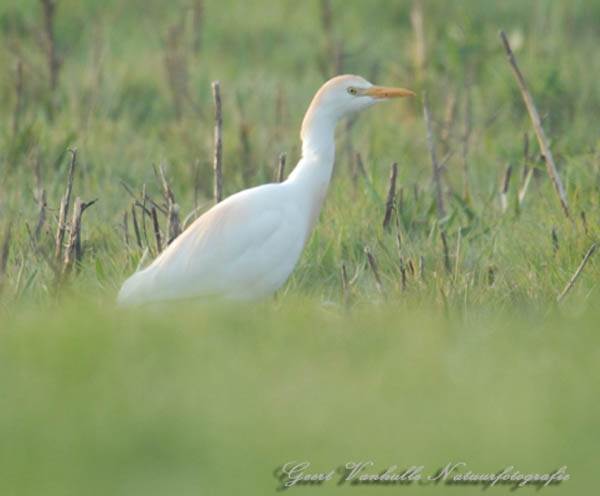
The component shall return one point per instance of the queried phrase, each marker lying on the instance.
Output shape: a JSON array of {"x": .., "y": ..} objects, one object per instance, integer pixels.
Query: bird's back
[{"x": 243, "y": 247}]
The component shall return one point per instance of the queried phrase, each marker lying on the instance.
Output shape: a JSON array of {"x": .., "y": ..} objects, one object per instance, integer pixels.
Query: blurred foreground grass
[
  {"x": 470, "y": 362},
  {"x": 183, "y": 400}
]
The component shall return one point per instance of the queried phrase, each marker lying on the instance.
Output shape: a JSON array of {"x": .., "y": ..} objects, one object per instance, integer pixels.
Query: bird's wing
[{"x": 234, "y": 248}]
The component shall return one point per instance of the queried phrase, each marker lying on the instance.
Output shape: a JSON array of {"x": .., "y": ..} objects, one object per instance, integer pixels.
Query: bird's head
[{"x": 345, "y": 94}]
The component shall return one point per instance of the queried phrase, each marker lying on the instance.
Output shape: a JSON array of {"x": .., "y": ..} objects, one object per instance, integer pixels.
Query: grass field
[{"x": 471, "y": 360}]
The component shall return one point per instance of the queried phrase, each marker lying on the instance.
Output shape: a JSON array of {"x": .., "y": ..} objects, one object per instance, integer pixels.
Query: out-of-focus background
[{"x": 459, "y": 353}]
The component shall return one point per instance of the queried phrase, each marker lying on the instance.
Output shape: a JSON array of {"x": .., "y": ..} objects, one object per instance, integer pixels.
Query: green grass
[{"x": 476, "y": 363}]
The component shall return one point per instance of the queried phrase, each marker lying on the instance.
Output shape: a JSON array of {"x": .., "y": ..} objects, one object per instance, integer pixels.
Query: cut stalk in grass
[
  {"x": 555, "y": 243},
  {"x": 449, "y": 117},
  {"x": 156, "y": 231},
  {"x": 64, "y": 209},
  {"x": 504, "y": 188},
  {"x": 584, "y": 222},
  {"x": 539, "y": 130},
  {"x": 73, "y": 251},
  {"x": 218, "y": 144},
  {"x": 19, "y": 97},
  {"x": 173, "y": 225},
  {"x": 345, "y": 284},
  {"x": 50, "y": 44},
  {"x": 5, "y": 248},
  {"x": 465, "y": 144},
  {"x": 525, "y": 186},
  {"x": 136, "y": 228},
  {"x": 422, "y": 268},
  {"x": 570, "y": 284},
  {"x": 125, "y": 228},
  {"x": 196, "y": 186},
  {"x": 446, "y": 254},
  {"x": 281, "y": 168},
  {"x": 360, "y": 167},
  {"x": 198, "y": 21},
  {"x": 391, "y": 195},
  {"x": 373, "y": 265},
  {"x": 437, "y": 181},
  {"x": 41, "y": 218},
  {"x": 457, "y": 255},
  {"x": 398, "y": 238}
]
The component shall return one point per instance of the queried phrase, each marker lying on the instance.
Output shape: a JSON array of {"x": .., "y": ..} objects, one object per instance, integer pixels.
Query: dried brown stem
[
  {"x": 504, "y": 188},
  {"x": 465, "y": 143},
  {"x": 19, "y": 102},
  {"x": 41, "y": 219},
  {"x": 50, "y": 45},
  {"x": 373, "y": 265},
  {"x": 218, "y": 184},
  {"x": 584, "y": 222},
  {"x": 136, "y": 228},
  {"x": 437, "y": 181},
  {"x": 5, "y": 248},
  {"x": 281, "y": 169},
  {"x": 359, "y": 166},
  {"x": 446, "y": 254},
  {"x": 156, "y": 231},
  {"x": 64, "y": 209},
  {"x": 173, "y": 225},
  {"x": 539, "y": 130},
  {"x": 576, "y": 274},
  {"x": 391, "y": 195},
  {"x": 198, "y": 10},
  {"x": 125, "y": 228},
  {"x": 73, "y": 251}
]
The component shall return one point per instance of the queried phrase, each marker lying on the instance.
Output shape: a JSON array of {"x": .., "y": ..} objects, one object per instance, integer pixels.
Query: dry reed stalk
[
  {"x": 176, "y": 65},
  {"x": 539, "y": 130},
  {"x": 41, "y": 219},
  {"x": 196, "y": 186},
  {"x": 218, "y": 184},
  {"x": 64, "y": 209},
  {"x": 50, "y": 45},
  {"x": 436, "y": 168},
  {"x": 156, "y": 231},
  {"x": 373, "y": 265},
  {"x": 391, "y": 195},
  {"x": 555, "y": 243},
  {"x": 19, "y": 95},
  {"x": 446, "y": 255},
  {"x": 360, "y": 167},
  {"x": 465, "y": 144},
  {"x": 584, "y": 222},
  {"x": 198, "y": 21},
  {"x": 173, "y": 225},
  {"x": 5, "y": 248},
  {"x": 125, "y": 228},
  {"x": 449, "y": 117},
  {"x": 136, "y": 228},
  {"x": 504, "y": 188},
  {"x": 281, "y": 169},
  {"x": 576, "y": 274},
  {"x": 73, "y": 251}
]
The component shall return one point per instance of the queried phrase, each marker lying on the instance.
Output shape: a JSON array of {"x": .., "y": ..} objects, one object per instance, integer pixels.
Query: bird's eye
[{"x": 352, "y": 90}]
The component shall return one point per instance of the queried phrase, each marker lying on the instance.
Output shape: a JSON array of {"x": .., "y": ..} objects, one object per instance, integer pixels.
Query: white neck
[{"x": 314, "y": 169}]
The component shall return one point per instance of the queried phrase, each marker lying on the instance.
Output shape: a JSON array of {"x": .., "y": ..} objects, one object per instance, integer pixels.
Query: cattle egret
[{"x": 246, "y": 246}]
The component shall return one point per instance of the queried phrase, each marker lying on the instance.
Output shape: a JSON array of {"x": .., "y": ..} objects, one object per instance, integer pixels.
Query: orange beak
[{"x": 388, "y": 92}]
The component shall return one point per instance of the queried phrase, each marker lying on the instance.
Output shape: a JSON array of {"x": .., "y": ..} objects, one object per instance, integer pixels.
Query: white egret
[{"x": 247, "y": 245}]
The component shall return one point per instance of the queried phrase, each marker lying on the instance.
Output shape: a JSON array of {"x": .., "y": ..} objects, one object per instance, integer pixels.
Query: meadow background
[{"x": 471, "y": 359}]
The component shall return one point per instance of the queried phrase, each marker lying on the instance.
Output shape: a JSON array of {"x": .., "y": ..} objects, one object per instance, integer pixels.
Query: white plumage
[{"x": 246, "y": 246}]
